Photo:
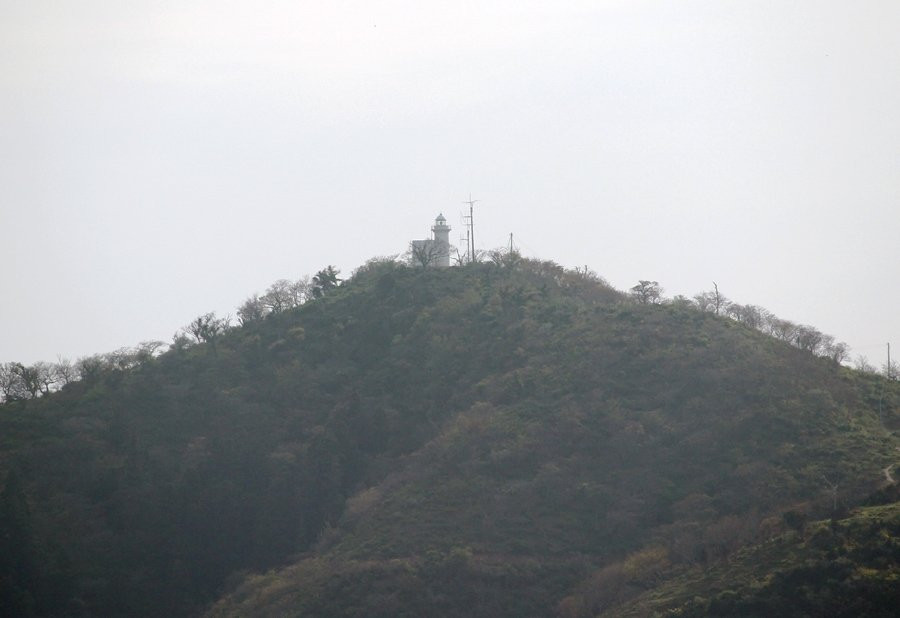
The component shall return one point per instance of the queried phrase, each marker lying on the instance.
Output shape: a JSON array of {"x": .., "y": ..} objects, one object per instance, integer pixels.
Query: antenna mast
[
  {"x": 465, "y": 223},
  {"x": 471, "y": 204}
]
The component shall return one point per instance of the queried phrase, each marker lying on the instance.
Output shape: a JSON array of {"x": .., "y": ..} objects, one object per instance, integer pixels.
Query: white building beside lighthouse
[{"x": 434, "y": 251}]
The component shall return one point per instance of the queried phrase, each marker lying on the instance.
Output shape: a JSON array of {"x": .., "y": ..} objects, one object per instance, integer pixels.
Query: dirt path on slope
[{"x": 887, "y": 473}]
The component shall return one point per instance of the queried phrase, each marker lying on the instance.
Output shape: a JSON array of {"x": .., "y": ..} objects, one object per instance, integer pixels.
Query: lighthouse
[
  {"x": 434, "y": 251},
  {"x": 441, "y": 233}
]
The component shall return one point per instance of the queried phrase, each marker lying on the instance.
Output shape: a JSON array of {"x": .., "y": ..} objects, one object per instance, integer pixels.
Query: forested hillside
[
  {"x": 497, "y": 439},
  {"x": 842, "y": 568}
]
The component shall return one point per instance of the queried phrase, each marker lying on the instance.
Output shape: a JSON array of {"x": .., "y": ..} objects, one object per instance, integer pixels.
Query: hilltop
[{"x": 499, "y": 439}]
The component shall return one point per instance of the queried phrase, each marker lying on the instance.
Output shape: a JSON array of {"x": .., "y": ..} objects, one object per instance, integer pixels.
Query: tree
[
  {"x": 180, "y": 342},
  {"x": 382, "y": 264},
  {"x": 147, "y": 350},
  {"x": 30, "y": 378},
  {"x": 301, "y": 290},
  {"x": 122, "y": 359},
  {"x": 647, "y": 292},
  {"x": 65, "y": 371},
  {"x": 681, "y": 301},
  {"x": 837, "y": 351},
  {"x": 279, "y": 297},
  {"x": 750, "y": 315},
  {"x": 808, "y": 338},
  {"x": 11, "y": 383},
  {"x": 207, "y": 327},
  {"x": 45, "y": 376},
  {"x": 509, "y": 258},
  {"x": 712, "y": 301},
  {"x": 90, "y": 368},
  {"x": 324, "y": 281},
  {"x": 425, "y": 253},
  {"x": 282, "y": 295},
  {"x": 782, "y": 329},
  {"x": 252, "y": 310},
  {"x": 861, "y": 363},
  {"x": 589, "y": 274},
  {"x": 720, "y": 299}
]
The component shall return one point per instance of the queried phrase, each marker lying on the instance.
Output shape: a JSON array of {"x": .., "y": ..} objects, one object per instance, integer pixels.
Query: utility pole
[
  {"x": 890, "y": 374},
  {"x": 833, "y": 488},
  {"x": 471, "y": 204}
]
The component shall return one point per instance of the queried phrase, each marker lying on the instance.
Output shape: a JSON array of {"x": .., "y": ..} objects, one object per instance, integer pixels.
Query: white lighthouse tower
[{"x": 441, "y": 232}]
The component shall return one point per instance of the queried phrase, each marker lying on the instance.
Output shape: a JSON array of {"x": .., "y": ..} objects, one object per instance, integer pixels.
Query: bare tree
[
  {"x": 809, "y": 338},
  {"x": 804, "y": 337},
  {"x": 861, "y": 363},
  {"x": 589, "y": 274},
  {"x": 783, "y": 329},
  {"x": 197, "y": 328},
  {"x": 837, "y": 351},
  {"x": 45, "y": 376},
  {"x": 65, "y": 371},
  {"x": 301, "y": 291},
  {"x": 425, "y": 253},
  {"x": 282, "y": 295},
  {"x": 750, "y": 315},
  {"x": 505, "y": 258},
  {"x": 207, "y": 327},
  {"x": 285, "y": 294},
  {"x": 825, "y": 344},
  {"x": 712, "y": 301},
  {"x": 122, "y": 359},
  {"x": 278, "y": 297},
  {"x": 719, "y": 298},
  {"x": 706, "y": 302}
]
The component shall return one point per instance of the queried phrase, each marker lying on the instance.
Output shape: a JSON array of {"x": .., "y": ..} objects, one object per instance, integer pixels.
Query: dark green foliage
[
  {"x": 19, "y": 574},
  {"x": 480, "y": 440},
  {"x": 841, "y": 568}
]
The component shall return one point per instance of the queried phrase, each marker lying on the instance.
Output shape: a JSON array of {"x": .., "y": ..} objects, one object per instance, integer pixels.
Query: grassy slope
[{"x": 841, "y": 568}]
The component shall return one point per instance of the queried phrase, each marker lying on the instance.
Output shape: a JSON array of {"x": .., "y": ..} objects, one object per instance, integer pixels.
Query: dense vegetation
[
  {"x": 840, "y": 568},
  {"x": 498, "y": 439}
]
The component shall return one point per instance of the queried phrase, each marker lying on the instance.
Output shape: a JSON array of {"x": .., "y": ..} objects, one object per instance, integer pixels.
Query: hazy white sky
[{"x": 160, "y": 159}]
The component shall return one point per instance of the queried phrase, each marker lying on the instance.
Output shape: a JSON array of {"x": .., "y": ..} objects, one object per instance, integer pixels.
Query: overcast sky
[{"x": 161, "y": 159}]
